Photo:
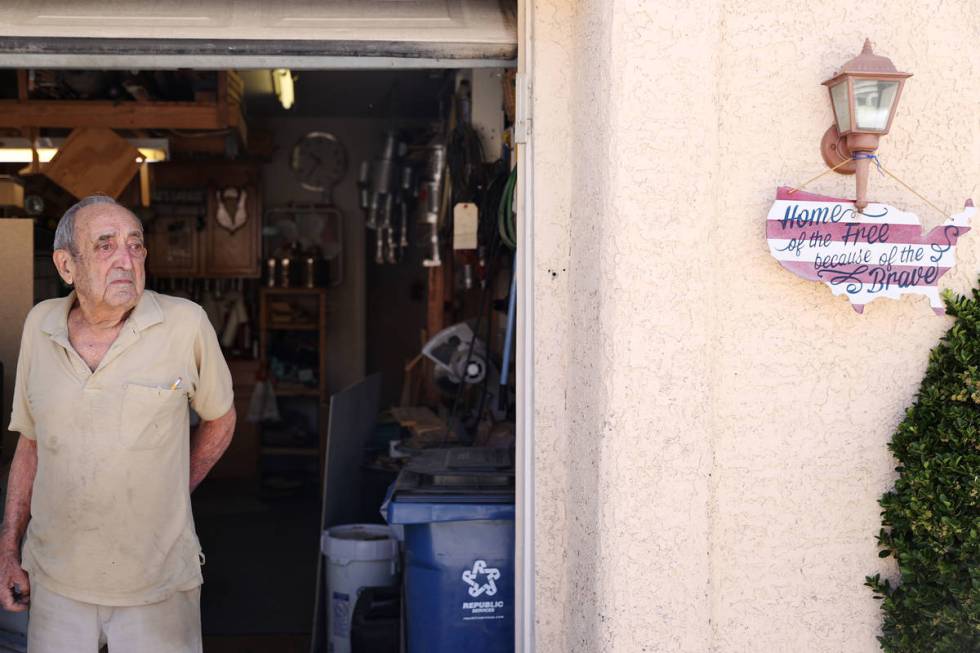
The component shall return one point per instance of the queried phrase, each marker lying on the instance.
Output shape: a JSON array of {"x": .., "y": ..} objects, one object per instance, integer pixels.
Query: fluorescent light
[
  {"x": 282, "y": 81},
  {"x": 153, "y": 154},
  {"x": 18, "y": 150},
  {"x": 24, "y": 155}
]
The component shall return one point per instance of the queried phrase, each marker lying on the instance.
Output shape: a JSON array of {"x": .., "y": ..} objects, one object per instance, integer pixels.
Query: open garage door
[
  {"x": 253, "y": 34},
  {"x": 242, "y": 40}
]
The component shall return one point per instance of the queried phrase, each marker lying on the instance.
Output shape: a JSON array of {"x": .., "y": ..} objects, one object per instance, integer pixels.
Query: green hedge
[{"x": 931, "y": 518}]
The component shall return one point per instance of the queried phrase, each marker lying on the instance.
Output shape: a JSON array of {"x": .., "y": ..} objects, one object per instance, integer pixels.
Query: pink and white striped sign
[{"x": 880, "y": 253}]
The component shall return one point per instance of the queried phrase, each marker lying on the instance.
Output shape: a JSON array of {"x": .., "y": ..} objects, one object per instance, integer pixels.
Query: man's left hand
[{"x": 15, "y": 587}]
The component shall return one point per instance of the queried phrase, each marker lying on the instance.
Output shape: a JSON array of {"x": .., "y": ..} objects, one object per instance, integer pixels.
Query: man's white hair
[{"x": 64, "y": 234}]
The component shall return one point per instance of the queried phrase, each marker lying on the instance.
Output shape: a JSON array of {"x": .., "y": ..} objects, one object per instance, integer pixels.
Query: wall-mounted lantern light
[{"x": 864, "y": 96}]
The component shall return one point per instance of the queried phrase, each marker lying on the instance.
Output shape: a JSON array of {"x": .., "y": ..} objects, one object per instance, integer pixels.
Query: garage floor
[
  {"x": 257, "y": 644},
  {"x": 261, "y": 565}
]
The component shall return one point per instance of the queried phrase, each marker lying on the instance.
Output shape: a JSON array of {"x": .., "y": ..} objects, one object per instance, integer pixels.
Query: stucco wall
[{"x": 711, "y": 431}]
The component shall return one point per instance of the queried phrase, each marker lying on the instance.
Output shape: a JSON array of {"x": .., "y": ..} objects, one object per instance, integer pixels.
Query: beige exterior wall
[{"x": 711, "y": 430}]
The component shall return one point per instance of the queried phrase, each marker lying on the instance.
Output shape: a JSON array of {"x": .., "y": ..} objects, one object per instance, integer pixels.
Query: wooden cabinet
[
  {"x": 185, "y": 238},
  {"x": 233, "y": 253},
  {"x": 173, "y": 246}
]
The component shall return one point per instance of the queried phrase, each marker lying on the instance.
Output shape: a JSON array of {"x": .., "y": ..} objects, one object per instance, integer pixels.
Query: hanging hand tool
[{"x": 431, "y": 202}]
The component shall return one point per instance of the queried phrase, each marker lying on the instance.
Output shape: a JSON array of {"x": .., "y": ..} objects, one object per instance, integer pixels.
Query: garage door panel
[
  {"x": 305, "y": 13},
  {"x": 64, "y": 17},
  {"x": 409, "y": 21}
]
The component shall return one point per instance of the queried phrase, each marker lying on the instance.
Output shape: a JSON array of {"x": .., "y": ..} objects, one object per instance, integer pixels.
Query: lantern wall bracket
[{"x": 834, "y": 149}]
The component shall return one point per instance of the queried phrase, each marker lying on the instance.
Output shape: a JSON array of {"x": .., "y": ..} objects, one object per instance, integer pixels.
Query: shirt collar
[
  {"x": 55, "y": 323},
  {"x": 146, "y": 314},
  {"x": 147, "y": 311}
]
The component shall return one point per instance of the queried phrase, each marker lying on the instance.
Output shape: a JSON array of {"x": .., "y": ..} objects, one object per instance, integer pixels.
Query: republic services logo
[{"x": 471, "y": 578}]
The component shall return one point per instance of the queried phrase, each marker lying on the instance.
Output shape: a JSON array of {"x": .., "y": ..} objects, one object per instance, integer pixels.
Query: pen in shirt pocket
[{"x": 176, "y": 383}]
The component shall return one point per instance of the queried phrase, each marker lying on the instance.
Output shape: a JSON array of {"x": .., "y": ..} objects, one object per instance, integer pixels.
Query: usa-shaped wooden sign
[{"x": 882, "y": 252}]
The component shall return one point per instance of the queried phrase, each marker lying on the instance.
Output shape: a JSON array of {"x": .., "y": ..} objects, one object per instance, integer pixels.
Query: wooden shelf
[
  {"x": 223, "y": 112},
  {"x": 313, "y": 301},
  {"x": 297, "y": 392},
  {"x": 69, "y": 114},
  {"x": 290, "y": 451},
  {"x": 297, "y": 326},
  {"x": 276, "y": 290}
]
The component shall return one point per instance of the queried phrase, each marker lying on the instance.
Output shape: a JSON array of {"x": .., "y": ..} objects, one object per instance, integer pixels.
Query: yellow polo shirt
[{"x": 111, "y": 518}]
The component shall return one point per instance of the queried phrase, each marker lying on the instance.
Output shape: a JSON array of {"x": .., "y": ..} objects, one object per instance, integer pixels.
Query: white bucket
[{"x": 358, "y": 556}]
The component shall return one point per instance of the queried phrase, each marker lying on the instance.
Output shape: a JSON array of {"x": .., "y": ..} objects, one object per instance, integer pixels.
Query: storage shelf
[
  {"x": 222, "y": 111},
  {"x": 266, "y": 290},
  {"x": 294, "y": 326},
  {"x": 312, "y": 318},
  {"x": 290, "y": 451},
  {"x": 297, "y": 392}
]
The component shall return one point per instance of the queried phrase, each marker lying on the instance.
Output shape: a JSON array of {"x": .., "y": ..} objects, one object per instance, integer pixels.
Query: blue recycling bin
[{"x": 459, "y": 571}]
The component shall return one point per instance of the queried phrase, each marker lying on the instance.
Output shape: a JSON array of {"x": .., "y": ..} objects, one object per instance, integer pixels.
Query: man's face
[{"x": 108, "y": 270}]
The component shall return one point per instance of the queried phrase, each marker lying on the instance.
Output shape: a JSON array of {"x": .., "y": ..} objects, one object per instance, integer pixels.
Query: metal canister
[
  {"x": 309, "y": 272},
  {"x": 270, "y": 266}
]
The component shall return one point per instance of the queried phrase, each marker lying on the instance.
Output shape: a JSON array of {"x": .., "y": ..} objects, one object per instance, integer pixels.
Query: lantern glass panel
[
  {"x": 842, "y": 108},
  {"x": 873, "y": 100}
]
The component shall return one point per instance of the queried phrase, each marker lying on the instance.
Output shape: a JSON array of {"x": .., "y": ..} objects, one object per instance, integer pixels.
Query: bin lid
[
  {"x": 399, "y": 512},
  {"x": 460, "y": 475},
  {"x": 463, "y": 461},
  {"x": 452, "y": 485}
]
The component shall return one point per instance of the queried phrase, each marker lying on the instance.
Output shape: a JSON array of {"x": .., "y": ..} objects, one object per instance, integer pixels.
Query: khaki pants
[{"x": 62, "y": 625}]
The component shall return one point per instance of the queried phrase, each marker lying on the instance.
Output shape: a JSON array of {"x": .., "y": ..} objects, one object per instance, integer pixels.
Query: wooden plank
[
  {"x": 260, "y": 144},
  {"x": 22, "y": 84},
  {"x": 436, "y": 301},
  {"x": 236, "y": 86},
  {"x": 116, "y": 115},
  {"x": 434, "y": 323},
  {"x": 223, "y": 97},
  {"x": 93, "y": 160}
]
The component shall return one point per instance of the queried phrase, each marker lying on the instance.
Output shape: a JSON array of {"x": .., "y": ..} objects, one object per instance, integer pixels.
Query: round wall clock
[{"x": 319, "y": 161}]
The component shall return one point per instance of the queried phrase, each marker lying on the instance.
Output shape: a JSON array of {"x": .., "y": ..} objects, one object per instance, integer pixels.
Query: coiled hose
[{"x": 506, "y": 220}]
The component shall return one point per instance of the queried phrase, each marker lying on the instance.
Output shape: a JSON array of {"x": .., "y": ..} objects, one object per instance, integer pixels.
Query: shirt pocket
[
  {"x": 151, "y": 415},
  {"x": 51, "y": 417}
]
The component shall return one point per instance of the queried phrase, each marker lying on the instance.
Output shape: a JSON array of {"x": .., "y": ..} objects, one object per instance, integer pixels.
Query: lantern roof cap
[{"x": 869, "y": 63}]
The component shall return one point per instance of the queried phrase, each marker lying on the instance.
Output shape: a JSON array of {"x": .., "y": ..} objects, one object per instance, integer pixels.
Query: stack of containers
[
  {"x": 358, "y": 556},
  {"x": 457, "y": 510}
]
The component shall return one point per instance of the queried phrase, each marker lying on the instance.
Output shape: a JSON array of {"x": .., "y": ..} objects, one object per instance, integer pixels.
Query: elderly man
[{"x": 100, "y": 482}]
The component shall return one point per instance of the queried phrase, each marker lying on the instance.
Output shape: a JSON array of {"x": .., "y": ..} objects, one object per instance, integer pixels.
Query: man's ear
[{"x": 65, "y": 266}]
